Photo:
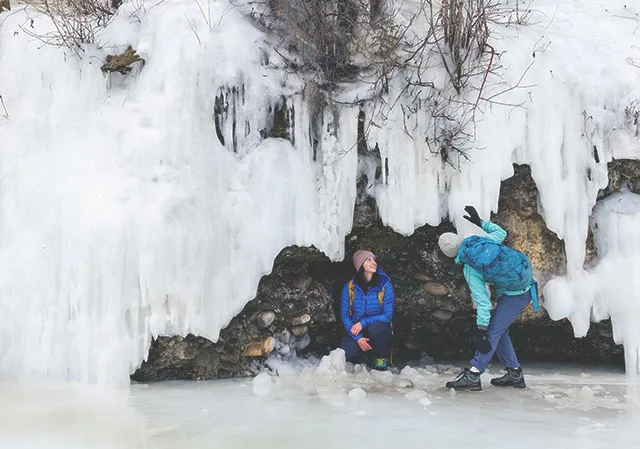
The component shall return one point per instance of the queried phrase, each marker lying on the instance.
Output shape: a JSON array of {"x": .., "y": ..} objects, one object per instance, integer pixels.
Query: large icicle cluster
[{"x": 122, "y": 214}]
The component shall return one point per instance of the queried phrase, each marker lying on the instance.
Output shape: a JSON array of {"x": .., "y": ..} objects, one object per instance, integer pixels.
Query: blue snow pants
[
  {"x": 379, "y": 335},
  {"x": 508, "y": 309}
]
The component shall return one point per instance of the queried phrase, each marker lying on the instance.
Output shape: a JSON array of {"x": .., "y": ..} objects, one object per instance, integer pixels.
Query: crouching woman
[{"x": 366, "y": 308}]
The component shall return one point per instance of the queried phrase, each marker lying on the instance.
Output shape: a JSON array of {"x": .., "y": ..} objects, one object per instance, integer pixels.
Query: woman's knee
[
  {"x": 380, "y": 329},
  {"x": 350, "y": 348}
]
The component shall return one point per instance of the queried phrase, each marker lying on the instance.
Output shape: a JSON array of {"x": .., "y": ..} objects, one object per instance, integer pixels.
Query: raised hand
[{"x": 473, "y": 216}]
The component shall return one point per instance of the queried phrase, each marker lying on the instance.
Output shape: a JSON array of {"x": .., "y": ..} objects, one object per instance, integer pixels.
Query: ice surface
[
  {"x": 318, "y": 410},
  {"x": 123, "y": 215},
  {"x": 415, "y": 394}
]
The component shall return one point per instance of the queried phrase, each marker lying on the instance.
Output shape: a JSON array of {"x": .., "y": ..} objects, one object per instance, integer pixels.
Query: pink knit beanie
[{"x": 360, "y": 256}]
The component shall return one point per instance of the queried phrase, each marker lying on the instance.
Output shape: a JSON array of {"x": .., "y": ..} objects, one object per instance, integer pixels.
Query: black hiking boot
[
  {"x": 514, "y": 378},
  {"x": 466, "y": 380}
]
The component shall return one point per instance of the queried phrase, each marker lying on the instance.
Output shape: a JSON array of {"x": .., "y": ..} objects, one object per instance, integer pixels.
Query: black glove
[
  {"x": 482, "y": 340},
  {"x": 473, "y": 216}
]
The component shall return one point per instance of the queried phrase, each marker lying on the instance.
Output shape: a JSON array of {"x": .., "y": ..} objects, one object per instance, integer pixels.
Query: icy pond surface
[{"x": 321, "y": 407}]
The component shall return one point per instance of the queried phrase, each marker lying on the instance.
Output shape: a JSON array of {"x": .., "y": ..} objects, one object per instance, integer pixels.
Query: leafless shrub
[
  {"x": 462, "y": 31},
  {"x": 367, "y": 41},
  {"x": 515, "y": 12},
  {"x": 317, "y": 31},
  {"x": 76, "y": 22}
]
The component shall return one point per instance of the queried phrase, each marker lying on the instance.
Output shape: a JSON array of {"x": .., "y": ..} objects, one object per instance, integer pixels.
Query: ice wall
[{"x": 122, "y": 215}]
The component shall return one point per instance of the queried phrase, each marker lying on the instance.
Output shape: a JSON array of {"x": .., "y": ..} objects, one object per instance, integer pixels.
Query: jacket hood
[{"x": 384, "y": 279}]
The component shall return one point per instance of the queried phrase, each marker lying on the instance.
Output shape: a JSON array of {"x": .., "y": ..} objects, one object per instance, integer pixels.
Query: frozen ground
[{"x": 564, "y": 407}]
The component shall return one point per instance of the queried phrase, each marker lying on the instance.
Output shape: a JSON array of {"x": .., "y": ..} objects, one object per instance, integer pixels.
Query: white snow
[{"x": 123, "y": 217}]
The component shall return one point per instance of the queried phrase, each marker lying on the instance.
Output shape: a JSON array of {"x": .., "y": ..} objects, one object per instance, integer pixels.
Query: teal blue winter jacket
[{"x": 478, "y": 286}]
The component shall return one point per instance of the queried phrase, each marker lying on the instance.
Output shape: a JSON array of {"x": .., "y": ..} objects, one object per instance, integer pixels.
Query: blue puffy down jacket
[{"x": 366, "y": 309}]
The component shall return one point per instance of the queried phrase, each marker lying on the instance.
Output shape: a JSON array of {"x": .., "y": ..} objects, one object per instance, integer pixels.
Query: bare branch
[
  {"x": 5, "y": 114},
  {"x": 76, "y": 22}
]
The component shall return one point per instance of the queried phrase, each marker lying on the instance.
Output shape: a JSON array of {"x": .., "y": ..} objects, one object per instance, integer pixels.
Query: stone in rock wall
[{"x": 624, "y": 174}]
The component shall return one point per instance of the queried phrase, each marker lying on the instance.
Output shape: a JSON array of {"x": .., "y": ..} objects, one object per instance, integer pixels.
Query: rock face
[
  {"x": 518, "y": 215},
  {"x": 290, "y": 307},
  {"x": 296, "y": 309},
  {"x": 624, "y": 174}
]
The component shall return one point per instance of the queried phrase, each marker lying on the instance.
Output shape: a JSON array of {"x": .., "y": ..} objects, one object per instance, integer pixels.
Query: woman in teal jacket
[
  {"x": 366, "y": 309},
  {"x": 492, "y": 335}
]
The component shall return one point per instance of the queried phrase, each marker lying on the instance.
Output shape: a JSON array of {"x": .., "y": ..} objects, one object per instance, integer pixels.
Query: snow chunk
[
  {"x": 334, "y": 363},
  {"x": 357, "y": 393},
  {"x": 262, "y": 384},
  {"x": 404, "y": 383},
  {"x": 586, "y": 392}
]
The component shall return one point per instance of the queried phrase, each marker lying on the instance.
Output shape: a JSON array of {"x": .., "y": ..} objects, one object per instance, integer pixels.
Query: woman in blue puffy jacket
[{"x": 366, "y": 308}]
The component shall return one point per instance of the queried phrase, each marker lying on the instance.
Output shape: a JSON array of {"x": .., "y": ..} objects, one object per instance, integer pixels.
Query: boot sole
[
  {"x": 466, "y": 388},
  {"x": 521, "y": 386}
]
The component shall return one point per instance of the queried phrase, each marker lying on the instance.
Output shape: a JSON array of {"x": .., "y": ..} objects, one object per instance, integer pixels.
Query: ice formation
[
  {"x": 124, "y": 216},
  {"x": 611, "y": 288}
]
